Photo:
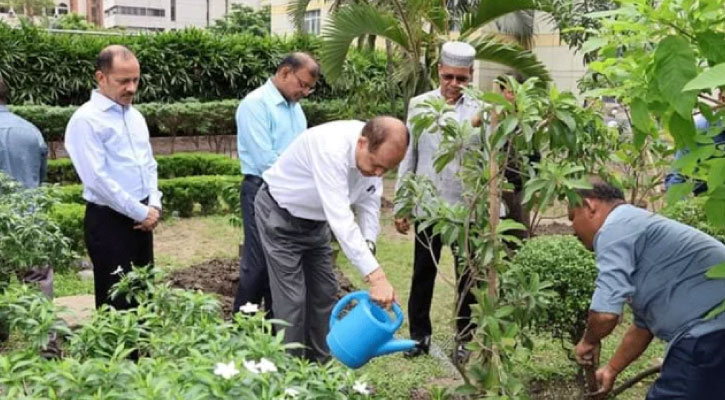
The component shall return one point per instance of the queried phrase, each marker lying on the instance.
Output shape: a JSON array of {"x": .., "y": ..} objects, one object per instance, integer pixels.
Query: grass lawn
[{"x": 184, "y": 242}]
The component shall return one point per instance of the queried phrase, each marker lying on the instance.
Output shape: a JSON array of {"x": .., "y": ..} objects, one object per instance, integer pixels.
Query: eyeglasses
[
  {"x": 458, "y": 78},
  {"x": 309, "y": 87}
]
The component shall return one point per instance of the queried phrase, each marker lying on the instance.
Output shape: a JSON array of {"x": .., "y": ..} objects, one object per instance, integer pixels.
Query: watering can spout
[{"x": 394, "y": 346}]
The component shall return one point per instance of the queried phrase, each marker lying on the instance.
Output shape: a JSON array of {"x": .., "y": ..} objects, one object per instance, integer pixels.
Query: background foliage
[{"x": 57, "y": 69}]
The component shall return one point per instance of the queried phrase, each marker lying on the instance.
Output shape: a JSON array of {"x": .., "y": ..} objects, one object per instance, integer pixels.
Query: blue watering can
[{"x": 365, "y": 332}]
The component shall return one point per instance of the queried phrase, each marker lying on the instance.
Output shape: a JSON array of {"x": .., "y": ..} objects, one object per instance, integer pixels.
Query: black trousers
[
  {"x": 694, "y": 369},
  {"x": 253, "y": 275},
  {"x": 427, "y": 254},
  {"x": 112, "y": 242}
]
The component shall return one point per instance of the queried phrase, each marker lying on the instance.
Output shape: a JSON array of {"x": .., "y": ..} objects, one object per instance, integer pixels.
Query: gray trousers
[{"x": 301, "y": 279}]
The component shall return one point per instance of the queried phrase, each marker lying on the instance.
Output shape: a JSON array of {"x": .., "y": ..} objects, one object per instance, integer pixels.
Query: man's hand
[
  {"x": 402, "y": 225},
  {"x": 152, "y": 219},
  {"x": 605, "y": 379},
  {"x": 381, "y": 291},
  {"x": 587, "y": 353}
]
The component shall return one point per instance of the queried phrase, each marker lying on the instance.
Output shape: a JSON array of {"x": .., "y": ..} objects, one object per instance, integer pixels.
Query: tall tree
[
  {"x": 417, "y": 28},
  {"x": 243, "y": 19}
]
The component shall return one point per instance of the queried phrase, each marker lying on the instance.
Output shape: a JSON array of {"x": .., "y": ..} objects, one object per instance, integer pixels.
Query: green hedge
[
  {"x": 169, "y": 166},
  {"x": 70, "y": 219},
  {"x": 571, "y": 268},
  {"x": 57, "y": 69},
  {"x": 691, "y": 211},
  {"x": 196, "y": 119},
  {"x": 181, "y": 195}
]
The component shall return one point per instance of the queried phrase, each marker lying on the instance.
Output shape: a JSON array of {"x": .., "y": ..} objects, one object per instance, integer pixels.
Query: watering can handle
[
  {"x": 398, "y": 316},
  {"x": 360, "y": 295}
]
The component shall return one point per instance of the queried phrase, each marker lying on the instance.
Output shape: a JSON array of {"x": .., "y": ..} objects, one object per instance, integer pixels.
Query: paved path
[{"x": 78, "y": 309}]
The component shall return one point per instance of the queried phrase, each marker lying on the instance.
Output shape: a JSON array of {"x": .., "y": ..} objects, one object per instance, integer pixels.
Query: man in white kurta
[
  {"x": 310, "y": 190},
  {"x": 455, "y": 72}
]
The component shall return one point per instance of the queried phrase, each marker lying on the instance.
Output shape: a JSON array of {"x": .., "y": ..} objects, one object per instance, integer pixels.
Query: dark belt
[{"x": 254, "y": 179}]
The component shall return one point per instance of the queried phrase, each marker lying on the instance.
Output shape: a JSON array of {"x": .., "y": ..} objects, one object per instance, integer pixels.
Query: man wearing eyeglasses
[
  {"x": 268, "y": 119},
  {"x": 455, "y": 71}
]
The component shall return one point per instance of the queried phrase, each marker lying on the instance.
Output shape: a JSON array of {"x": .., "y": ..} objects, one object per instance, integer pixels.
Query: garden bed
[{"x": 221, "y": 277}]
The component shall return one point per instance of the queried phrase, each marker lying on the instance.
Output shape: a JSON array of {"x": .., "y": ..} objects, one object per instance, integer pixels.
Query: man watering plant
[{"x": 657, "y": 266}]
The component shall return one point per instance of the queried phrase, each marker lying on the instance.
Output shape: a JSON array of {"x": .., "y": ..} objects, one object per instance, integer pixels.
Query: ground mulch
[{"x": 221, "y": 277}]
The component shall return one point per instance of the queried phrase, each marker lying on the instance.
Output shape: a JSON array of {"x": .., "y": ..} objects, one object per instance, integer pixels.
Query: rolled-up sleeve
[
  {"x": 615, "y": 264},
  {"x": 87, "y": 153}
]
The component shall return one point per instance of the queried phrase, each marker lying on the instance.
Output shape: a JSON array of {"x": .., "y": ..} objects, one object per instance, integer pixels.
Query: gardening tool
[{"x": 365, "y": 332}]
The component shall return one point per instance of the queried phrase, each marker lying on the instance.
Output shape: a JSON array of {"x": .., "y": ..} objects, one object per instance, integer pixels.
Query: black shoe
[
  {"x": 420, "y": 349},
  {"x": 461, "y": 354}
]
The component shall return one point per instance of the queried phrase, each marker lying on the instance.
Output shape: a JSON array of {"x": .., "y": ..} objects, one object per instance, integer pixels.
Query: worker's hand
[
  {"x": 152, "y": 219},
  {"x": 381, "y": 291},
  {"x": 605, "y": 380},
  {"x": 402, "y": 225},
  {"x": 587, "y": 353}
]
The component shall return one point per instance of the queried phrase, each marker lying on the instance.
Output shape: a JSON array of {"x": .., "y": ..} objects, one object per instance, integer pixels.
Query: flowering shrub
[{"x": 184, "y": 350}]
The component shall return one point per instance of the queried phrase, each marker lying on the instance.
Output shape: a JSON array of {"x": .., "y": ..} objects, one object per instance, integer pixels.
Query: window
[
  {"x": 173, "y": 10},
  {"x": 62, "y": 9},
  {"x": 140, "y": 11},
  {"x": 312, "y": 22}
]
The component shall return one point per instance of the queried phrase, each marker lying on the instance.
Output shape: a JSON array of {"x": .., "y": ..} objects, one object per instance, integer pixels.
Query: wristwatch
[{"x": 371, "y": 246}]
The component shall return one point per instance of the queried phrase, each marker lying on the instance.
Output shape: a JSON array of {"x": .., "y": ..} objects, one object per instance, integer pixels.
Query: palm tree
[{"x": 417, "y": 28}]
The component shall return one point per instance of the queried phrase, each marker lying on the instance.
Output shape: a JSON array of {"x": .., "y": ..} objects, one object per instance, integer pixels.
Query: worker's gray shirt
[
  {"x": 447, "y": 183},
  {"x": 23, "y": 153},
  {"x": 658, "y": 266}
]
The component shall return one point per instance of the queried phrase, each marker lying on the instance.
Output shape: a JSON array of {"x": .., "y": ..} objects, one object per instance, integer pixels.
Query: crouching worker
[{"x": 658, "y": 267}]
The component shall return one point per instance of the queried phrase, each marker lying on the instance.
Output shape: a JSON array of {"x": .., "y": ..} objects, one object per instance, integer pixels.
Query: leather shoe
[
  {"x": 461, "y": 354},
  {"x": 421, "y": 348}
]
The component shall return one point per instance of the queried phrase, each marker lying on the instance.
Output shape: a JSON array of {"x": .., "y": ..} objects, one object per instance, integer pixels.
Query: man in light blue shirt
[
  {"x": 23, "y": 152},
  {"x": 108, "y": 142},
  {"x": 657, "y": 266},
  {"x": 268, "y": 119}
]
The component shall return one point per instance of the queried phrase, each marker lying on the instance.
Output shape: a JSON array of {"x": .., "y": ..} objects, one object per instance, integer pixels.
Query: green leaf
[
  {"x": 715, "y": 311},
  {"x": 640, "y": 115},
  {"x": 716, "y": 176},
  {"x": 708, "y": 79},
  {"x": 679, "y": 191},
  {"x": 683, "y": 131},
  {"x": 490, "y": 48},
  {"x": 675, "y": 65},
  {"x": 593, "y": 44},
  {"x": 714, "y": 210},
  {"x": 716, "y": 271},
  {"x": 489, "y": 10},
  {"x": 711, "y": 46}
]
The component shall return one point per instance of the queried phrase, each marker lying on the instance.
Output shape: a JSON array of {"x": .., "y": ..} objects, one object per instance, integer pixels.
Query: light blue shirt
[
  {"x": 23, "y": 153},
  {"x": 110, "y": 149},
  {"x": 658, "y": 266},
  {"x": 266, "y": 124}
]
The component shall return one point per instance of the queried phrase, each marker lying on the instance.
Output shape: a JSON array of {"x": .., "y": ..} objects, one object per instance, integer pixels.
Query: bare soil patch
[{"x": 221, "y": 277}]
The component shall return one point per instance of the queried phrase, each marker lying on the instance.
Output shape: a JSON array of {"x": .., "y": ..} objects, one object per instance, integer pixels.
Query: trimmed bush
[
  {"x": 691, "y": 211},
  {"x": 69, "y": 218},
  {"x": 181, "y": 195},
  {"x": 169, "y": 166},
  {"x": 571, "y": 268},
  {"x": 57, "y": 69},
  {"x": 197, "y": 119}
]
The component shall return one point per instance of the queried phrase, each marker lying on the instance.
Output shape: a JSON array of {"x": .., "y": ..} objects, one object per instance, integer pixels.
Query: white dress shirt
[
  {"x": 110, "y": 149},
  {"x": 317, "y": 178}
]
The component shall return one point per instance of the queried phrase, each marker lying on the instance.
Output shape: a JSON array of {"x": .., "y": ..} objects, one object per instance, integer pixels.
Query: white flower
[
  {"x": 118, "y": 270},
  {"x": 612, "y": 124},
  {"x": 251, "y": 366},
  {"x": 249, "y": 308},
  {"x": 265, "y": 365},
  {"x": 293, "y": 393},
  {"x": 361, "y": 387},
  {"x": 226, "y": 370}
]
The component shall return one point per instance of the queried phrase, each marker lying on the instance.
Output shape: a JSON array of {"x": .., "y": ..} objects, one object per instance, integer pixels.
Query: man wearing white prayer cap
[{"x": 455, "y": 71}]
